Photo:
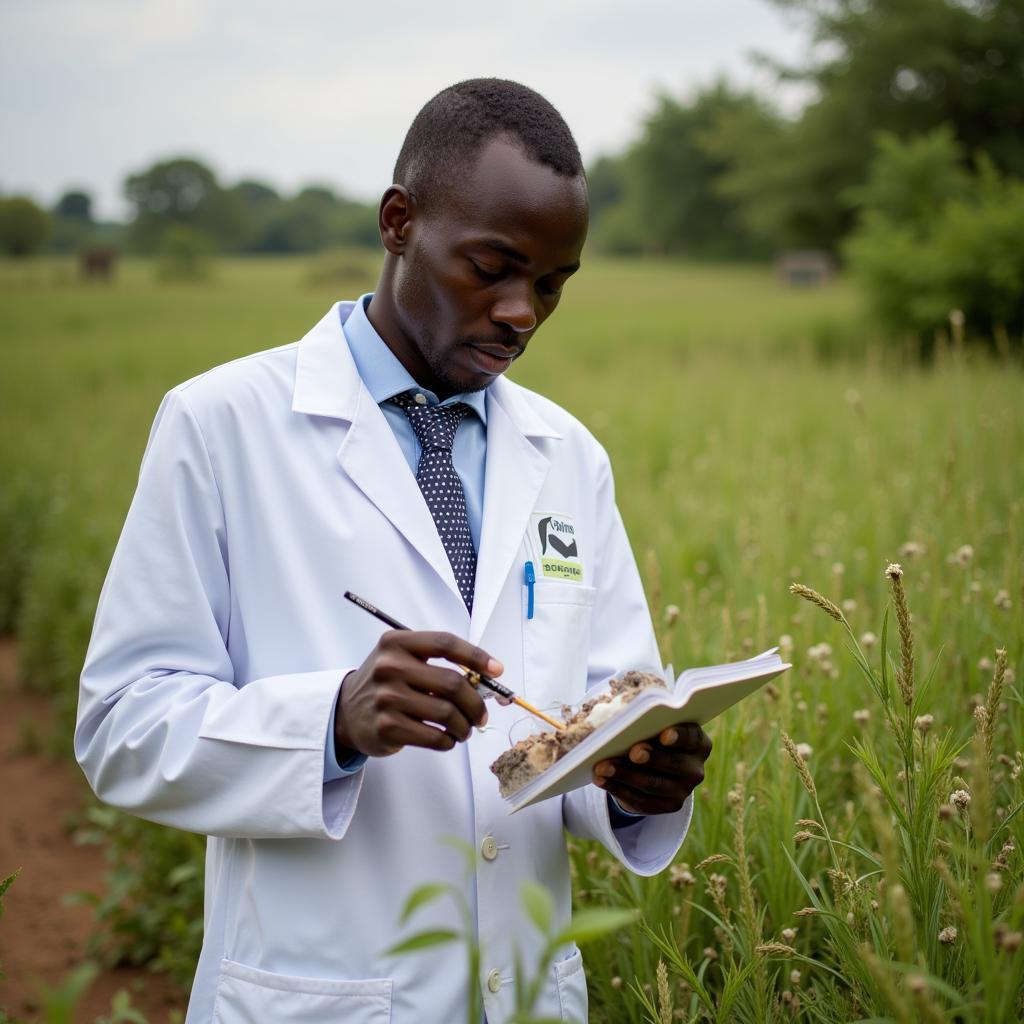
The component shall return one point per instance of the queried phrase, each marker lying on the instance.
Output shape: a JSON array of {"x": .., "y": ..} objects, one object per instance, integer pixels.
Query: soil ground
[{"x": 43, "y": 938}]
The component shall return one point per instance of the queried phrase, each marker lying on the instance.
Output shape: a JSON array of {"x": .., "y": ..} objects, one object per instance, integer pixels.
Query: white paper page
[{"x": 700, "y": 696}]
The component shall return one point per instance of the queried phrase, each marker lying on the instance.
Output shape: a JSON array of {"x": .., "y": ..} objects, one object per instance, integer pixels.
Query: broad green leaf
[
  {"x": 539, "y": 905},
  {"x": 420, "y": 897},
  {"x": 5, "y": 884},
  {"x": 423, "y": 940},
  {"x": 592, "y": 924},
  {"x": 466, "y": 849}
]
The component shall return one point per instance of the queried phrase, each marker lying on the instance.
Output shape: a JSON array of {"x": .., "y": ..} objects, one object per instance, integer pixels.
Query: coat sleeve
[
  {"x": 622, "y": 638},
  {"x": 164, "y": 729}
]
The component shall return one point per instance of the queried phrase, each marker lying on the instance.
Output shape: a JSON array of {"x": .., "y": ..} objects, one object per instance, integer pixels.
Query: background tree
[
  {"x": 258, "y": 204},
  {"x": 317, "y": 218},
  {"x": 183, "y": 192},
  {"x": 24, "y": 226},
  {"x": 937, "y": 251},
  {"x": 901, "y": 66},
  {"x": 662, "y": 196},
  {"x": 74, "y": 206},
  {"x": 73, "y": 225}
]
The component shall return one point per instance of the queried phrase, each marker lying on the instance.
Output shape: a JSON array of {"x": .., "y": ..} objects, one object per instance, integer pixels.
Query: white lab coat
[{"x": 269, "y": 487}]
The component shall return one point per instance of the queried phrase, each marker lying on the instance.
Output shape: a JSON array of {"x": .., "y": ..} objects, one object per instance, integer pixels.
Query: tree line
[
  {"x": 725, "y": 173},
  {"x": 182, "y": 197},
  {"x": 905, "y": 163}
]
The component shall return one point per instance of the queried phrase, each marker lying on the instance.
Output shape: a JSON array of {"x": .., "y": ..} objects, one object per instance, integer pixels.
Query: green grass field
[{"x": 760, "y": 436}]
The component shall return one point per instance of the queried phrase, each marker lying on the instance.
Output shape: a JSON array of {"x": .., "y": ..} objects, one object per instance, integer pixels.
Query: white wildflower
[{"x": 960, "y": 799}]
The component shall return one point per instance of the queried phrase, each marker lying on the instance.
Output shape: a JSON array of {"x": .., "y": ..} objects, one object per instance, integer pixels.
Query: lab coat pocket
[
  {"x": 246, "y": 995},
  {"x": 556, "y": 642},
  {"x": 572, "y": 988}
]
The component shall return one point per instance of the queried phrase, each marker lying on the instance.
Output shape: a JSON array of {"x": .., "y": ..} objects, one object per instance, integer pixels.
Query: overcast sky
[{"x": 315, "y": 91}]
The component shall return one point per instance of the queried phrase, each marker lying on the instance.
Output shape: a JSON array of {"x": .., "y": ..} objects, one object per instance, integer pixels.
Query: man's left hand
[{"x": 658, "y": 774}]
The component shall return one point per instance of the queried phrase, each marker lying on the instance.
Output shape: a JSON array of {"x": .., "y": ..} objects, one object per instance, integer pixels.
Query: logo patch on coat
[{"x": 554, "y": 541}]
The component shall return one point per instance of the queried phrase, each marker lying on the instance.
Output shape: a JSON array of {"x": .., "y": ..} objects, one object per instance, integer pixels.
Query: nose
[{"x": 515, "y": 310}]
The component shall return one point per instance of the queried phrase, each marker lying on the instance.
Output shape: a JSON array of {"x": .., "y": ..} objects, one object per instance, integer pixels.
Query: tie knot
[{"x": 434, "y": 425}]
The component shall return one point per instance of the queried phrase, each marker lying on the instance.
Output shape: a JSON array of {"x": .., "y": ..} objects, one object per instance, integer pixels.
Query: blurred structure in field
[{"x": 805, "y": 268}]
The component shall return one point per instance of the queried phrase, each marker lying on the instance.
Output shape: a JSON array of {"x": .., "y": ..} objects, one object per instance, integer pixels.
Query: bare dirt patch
[{"x": 42, "y": 937}]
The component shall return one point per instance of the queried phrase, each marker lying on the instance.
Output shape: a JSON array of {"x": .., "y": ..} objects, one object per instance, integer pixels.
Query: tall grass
[{"x": 747, "y": 457}]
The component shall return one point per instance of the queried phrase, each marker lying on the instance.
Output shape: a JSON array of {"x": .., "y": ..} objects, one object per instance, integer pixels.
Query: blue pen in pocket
[{"x": 531, "y": 578}]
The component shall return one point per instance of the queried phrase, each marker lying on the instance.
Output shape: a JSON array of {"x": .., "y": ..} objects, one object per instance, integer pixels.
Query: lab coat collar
[{"x": 327, "y": 382}]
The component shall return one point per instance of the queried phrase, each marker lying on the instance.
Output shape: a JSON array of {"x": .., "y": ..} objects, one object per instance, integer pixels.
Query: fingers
[
  {"x": 450, "y": 687},
  {"x": 639, "y": 789},
  {"x": 657, "y": 775},
  {"x": 687, "y": 736},
  {"x": 398, "y": 697},
  {"x": 642, "y": 801},
  {"x": 404, "y": 655},
  {"x": 425, "y": 645},
  {"x": 442, "y": 713}
]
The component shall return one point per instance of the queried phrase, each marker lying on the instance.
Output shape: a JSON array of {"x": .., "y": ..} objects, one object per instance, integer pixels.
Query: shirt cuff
[
  {"x": 620, "y": 817},
  {"x": 332, "y": 768}
]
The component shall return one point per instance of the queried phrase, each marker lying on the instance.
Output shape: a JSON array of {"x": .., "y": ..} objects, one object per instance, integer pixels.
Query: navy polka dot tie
[{"x": 435, "y": 428}]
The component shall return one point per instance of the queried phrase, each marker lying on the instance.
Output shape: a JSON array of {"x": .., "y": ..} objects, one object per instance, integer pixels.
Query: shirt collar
[{"x": 382, "y": 372}]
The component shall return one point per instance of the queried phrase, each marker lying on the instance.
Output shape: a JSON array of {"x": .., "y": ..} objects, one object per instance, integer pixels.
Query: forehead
[{"x": 506, "y": 193}]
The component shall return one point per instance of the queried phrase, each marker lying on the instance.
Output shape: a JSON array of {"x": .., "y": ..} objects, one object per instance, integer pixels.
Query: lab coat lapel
[
  {"x": 373, "y": 460},
  {"x": 328, "y": 384},
  {"x": 514, "y": 476}
]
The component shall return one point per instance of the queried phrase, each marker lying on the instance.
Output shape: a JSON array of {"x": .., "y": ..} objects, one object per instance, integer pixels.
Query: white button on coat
[
  {"x": 269, "y": 487},
  {"x": 489, "y": 848},
  {"x": 494, "y": 980}
]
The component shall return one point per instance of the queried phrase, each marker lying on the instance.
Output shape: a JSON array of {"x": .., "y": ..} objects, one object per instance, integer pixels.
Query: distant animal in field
[{"x": 97, "y": 264}]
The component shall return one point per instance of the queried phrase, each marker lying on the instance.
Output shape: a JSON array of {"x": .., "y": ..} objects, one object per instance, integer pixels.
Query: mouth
[{"x": 493, "y": 359}]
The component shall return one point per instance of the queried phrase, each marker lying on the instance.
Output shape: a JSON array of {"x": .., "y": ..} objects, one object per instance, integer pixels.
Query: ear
[{"x": 397, "y": 209}]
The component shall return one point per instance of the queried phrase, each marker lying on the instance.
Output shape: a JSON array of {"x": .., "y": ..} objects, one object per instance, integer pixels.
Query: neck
[{"x": 383, "y": 314}]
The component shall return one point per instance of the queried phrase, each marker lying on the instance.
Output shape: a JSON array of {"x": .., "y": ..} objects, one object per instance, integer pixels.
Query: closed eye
[{"x": 485, "y": 274}]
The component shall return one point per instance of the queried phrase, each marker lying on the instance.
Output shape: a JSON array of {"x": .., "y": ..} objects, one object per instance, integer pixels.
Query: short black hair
[{"x": 448, "y": 133}]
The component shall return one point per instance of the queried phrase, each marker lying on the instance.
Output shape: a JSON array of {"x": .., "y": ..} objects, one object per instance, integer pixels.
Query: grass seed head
[
  {"x": 820, "y": 600},
  {"x": 664, "y": 994},
  {"x": 905, "y": 673},
  {"x": 799, "y": 762},
  {"x": 715, "y": 858},
  {"x": 987, "y": 715},
  {"x": 775, "y": 949}
]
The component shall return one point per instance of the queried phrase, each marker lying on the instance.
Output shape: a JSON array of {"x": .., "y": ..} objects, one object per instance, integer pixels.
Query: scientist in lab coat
[{"x": 230, "y": 690}]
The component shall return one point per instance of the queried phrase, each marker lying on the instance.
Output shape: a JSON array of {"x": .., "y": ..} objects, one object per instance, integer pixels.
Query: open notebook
[{"x": 698, "y": 695}]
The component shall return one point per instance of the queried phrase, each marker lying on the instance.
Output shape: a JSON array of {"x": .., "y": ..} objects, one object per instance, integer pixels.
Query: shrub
[
  {"x": 24, "y": 227},
  {"x": 184, "y": 254},
  {"x": 936, "y": 246}
]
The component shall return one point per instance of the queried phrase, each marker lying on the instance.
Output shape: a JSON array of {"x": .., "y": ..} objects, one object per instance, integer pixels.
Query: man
[{"x": 231, "y": 691}]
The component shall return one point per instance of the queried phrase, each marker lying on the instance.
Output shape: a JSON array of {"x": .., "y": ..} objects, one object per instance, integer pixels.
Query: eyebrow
[{"x": 517, "y": 257}]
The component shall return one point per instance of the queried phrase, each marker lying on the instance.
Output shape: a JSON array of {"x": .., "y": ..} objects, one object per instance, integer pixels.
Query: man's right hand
[{"x": 396, "y": 699}]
